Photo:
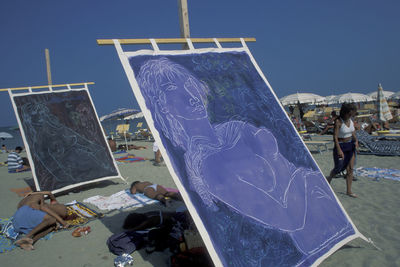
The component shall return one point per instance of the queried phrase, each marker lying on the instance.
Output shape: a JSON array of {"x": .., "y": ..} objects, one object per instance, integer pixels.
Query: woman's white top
[{"x": 344, "y": 131}]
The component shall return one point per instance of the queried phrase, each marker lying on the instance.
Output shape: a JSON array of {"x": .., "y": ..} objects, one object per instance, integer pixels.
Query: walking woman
[{"x": 346, "y": 144}]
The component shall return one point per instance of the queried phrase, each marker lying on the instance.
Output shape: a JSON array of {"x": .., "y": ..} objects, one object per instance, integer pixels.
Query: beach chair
[
  {"x": 313, "y": 127},
  {"x": 122, "y": 131},
  {"x": 318, "y": 145},
  {"x": 376, "y": 146}
]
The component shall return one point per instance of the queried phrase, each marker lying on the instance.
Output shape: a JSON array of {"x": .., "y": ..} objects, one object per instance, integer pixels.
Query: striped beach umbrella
[{"x": 383, "y": 107}]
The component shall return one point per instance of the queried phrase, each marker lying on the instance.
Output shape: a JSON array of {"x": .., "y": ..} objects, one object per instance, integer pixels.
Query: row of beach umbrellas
[
  {"x": 379, "y": 96},
  {"x": 309, "y": 98}
]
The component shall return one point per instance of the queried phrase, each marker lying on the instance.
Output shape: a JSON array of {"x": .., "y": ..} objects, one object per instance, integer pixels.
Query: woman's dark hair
[
  {"x": 133, "y": 184},
  {"x": 133, "y": 220},
  {"x": 346, "y": 109}
]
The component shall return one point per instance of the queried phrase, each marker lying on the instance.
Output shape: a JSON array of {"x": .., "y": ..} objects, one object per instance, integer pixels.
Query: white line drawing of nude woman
[{"x": 238, "y": 163}]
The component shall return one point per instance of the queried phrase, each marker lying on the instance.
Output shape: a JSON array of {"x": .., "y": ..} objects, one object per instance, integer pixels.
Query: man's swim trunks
[{"x": 26, "y": 218}]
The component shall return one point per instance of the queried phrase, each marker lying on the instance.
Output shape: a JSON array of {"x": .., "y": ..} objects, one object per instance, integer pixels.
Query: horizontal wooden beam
[
  {"x": 173, "y": 41},
  {"x": 45, "y": 86}
]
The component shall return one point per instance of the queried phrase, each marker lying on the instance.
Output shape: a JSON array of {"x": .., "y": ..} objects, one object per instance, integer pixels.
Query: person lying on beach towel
[
  {"x": 155, "y": 191},
  {"x": 123, "y": 147},
  {"x": 35, "y": 218}
]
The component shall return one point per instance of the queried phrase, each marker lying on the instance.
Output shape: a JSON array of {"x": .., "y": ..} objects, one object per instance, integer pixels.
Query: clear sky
[{"x": 316, "y": 46}]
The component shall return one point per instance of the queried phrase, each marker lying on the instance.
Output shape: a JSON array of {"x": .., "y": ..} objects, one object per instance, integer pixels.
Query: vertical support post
[
  {"x": 184, "y": 20},
  {"x": 46, "y": 51}
]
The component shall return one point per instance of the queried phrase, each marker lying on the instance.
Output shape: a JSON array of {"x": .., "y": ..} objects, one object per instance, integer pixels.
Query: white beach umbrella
[
  {"x": 383, "y": 107},
  {"x": 5, "y": 135},
  {"x": 302, "y": 98},
  {"x": 119, "y": 114},
  {"x": 330, "y": 98},
  {"x": 395, "y": 96},
  {"x": 386, "y": 94},
  {"x": 351, "y": 98},
  {"x": 134, "y": 116}
]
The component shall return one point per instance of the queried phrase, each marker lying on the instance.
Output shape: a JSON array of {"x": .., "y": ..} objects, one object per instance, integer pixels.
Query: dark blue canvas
[
  {"x": 260, "y": 196},
  {"x": 66, "y": 143}
]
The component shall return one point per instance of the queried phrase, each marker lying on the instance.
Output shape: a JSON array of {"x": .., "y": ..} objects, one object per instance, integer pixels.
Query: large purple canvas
[{"x": 260, "y": 197}]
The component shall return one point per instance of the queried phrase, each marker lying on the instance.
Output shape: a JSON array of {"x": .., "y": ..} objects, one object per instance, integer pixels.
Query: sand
[{"x": 375, "y": 213}]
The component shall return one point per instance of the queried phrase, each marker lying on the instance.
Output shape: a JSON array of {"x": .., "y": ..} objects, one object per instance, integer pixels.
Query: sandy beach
[{"x": 375, "y": 213}]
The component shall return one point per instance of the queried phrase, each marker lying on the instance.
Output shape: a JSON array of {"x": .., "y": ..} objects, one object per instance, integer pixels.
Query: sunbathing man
[
  {"x": 155, "y": 191},
  {"x": 130, "y": 147},
  {"x": 35, "y": 218}
]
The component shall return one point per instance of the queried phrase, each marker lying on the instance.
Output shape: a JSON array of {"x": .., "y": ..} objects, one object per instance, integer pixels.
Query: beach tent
[
  {"x": 250, "y": 184},
  {"x": 63, "y": 138}
]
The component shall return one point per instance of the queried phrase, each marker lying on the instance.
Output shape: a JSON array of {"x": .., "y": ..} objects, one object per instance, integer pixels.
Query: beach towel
[
  {"x": 120, "y": 200},
  {"x": 119, "y": 152},
  {"x": 378, "y": 173},
  {"x": 129, "y": 159},
  {"x": 8, "y": 235},
  {"x": 80, "y": 214}
]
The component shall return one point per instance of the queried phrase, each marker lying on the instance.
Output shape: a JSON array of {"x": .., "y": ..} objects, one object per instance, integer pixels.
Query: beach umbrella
[
  {"x": 134, "y": 116},
  {"x": 395, "y": 96},
  {"x": 351, "y": 98},
  {"x": 119, "y": 114},
  {"x": 386, "y": 94},
  {"x": 383, "y": 107},
  {"x": 302, "y": 98},
  {"x": 329, "y": 99},
  {"x": 4, "y": 135}
]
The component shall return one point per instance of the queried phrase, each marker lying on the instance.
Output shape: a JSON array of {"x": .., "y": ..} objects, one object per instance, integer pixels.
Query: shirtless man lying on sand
[{"x": 35, "y": 218}]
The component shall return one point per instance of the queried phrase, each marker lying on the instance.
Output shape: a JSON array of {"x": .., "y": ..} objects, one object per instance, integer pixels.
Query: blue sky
[{"x": 316, "y": 46}]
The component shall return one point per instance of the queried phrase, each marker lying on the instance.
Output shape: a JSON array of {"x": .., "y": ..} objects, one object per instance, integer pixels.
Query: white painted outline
[
  {"x": 147, "y": 114},
  {"x": 28, "y": 149}
]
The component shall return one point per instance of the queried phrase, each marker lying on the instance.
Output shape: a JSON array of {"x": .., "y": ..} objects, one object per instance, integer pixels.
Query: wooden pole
[
  {"x": 184, "y": 21},
  {"x": 46, "y": 51},
  {"x": 44, "y": 86},
  {"x": 172, "y": 41}
]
